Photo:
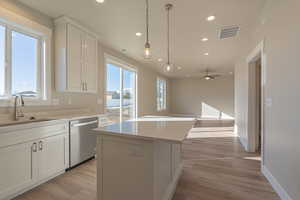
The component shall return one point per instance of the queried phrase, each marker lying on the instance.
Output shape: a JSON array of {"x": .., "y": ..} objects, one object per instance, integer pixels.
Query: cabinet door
[
  {"x": 51, "y": 156},
  {"x": 74, "y": 58},
  {"x": 17, "y": 168},
  {"x": 91, "y": 63}
]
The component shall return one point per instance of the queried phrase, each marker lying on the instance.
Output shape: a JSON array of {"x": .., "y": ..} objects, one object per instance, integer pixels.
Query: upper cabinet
[{"x": 76, "y": 57}]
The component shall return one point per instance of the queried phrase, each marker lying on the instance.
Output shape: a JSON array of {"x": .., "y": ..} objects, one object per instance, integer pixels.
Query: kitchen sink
[{"x": 12, "y": 123}]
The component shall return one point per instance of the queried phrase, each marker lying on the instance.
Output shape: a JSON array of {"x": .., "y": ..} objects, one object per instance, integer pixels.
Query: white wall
[
  {"x": 146, "y": 76},
  {"x": 241, "y": 87},
  {"x": 209, "y": 99},
  {"x": 279, "y": 27}
]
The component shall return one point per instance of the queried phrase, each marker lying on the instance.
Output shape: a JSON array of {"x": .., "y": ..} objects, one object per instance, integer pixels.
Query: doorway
[
  {"x": 257, "y": 67},
  {"x": 258, "y": 102},
  {"x": 120, "y": 92}
]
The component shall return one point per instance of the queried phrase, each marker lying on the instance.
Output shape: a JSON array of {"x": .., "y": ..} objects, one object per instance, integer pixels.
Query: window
[
  {"x": 120, "y": 91},
  {"x": 24, "y": 64},
  {"x": 161, "y": 94},
  {"x": 21, "y": 64},
  {"x": 2, "y": 60}
]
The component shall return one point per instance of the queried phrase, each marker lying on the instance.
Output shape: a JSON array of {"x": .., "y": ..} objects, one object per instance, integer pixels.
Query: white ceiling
[{"x": 117, "y": 21}]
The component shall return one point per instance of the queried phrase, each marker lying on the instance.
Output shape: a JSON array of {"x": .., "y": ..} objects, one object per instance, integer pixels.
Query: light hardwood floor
[{"x": 216, "y": 168}]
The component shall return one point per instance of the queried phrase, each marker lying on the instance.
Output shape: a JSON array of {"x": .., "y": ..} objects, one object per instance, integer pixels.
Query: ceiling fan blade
[{"x": 216, "y": 75}]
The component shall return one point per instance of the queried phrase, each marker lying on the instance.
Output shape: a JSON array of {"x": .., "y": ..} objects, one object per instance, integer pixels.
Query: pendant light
[
  {"x": 168, "y": 67},
  {"x": 147, "y": 44}
]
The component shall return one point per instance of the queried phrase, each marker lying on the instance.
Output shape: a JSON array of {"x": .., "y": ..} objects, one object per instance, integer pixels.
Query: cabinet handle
[
  {"x": 40, "y": 145},
  {"x": 34, "y": 147},
  {"x": 86, "y": 87}
]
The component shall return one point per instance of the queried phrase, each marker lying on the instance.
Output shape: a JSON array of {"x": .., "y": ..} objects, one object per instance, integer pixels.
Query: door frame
[
  {"x": 255, "y": 55},
  {"x": 123, "y": 65}
]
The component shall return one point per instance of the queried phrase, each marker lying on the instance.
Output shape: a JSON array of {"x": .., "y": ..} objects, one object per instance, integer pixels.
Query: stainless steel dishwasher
[{"x": 82, "y": 141}]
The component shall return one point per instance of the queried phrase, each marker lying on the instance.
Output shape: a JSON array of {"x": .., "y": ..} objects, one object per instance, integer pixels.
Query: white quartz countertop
[
  {"x": 156, "y": 128},
  {"x": 50, "y": 117}
]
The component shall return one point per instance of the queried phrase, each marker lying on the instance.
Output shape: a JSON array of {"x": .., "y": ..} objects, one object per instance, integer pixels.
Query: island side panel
[
  {"x": 126, "y": 168},
  {"x": 167, "y": 168},
  {"x": 177, "y": 164}
]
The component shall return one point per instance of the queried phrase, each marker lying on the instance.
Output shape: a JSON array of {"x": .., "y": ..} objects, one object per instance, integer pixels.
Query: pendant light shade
[
  {"x": 147, "y": 50},
  {"x": 168, "y": 67},
  {"x": 147, "y": 44}
]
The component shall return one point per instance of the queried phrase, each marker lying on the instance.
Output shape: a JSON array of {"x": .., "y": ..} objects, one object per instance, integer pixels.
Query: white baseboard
[
  {"x": 172, "y": 186},
  {"x": 275, "y": 184},
  {"x": 244, "y": 143}
]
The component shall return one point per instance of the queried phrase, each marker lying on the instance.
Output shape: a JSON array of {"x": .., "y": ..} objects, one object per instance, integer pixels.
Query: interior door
[
  {"x": 91, "y": 63},
  {"x": 17, "y": 168},
  {"x": 75, "y": 46},
  {"x": 51, "y": 156}
]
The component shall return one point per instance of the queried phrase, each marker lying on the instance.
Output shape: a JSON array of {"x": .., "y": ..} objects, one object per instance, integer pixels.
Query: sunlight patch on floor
[
  {"x": 258, "y": 158},
  {"x": 211, "y": 134}
]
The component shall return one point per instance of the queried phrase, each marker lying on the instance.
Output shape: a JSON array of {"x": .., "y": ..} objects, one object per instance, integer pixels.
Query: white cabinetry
[
  {"x": 30, "y": 156},
  {"x": 17, "y": 168},
  {"x": 74, "y": 76},
  {"x": 76, "y": 57},
  {"x": 149, "y": 169},
  {"x": 91, "y": 63},
  {"x": 51, "y": 157}
]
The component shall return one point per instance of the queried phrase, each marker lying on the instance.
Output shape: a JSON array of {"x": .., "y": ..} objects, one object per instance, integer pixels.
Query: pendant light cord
[
  {"x": 168, "y": 34},
  {"x": 147, "y": 21}
]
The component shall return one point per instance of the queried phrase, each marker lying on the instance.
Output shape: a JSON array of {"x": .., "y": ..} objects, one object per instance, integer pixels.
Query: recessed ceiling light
[
  {"x": 211, "y": 18},
  {"x": 100, "y": 1},
  {"x": 206, "y": 54},
  {"x": 138, "y": 34},
  {"x": 204, "y": 39},
  {"x": 179, "y": 68},
  {"x": 160, "y": 60}
]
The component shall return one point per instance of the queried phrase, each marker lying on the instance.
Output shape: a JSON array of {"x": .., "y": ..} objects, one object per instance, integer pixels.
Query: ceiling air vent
[{"x": 229, "y": 32}]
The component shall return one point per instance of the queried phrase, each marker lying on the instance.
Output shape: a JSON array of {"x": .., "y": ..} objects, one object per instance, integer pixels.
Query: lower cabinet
[
  {"x": 51, "y": 156},
  {"x": 17, "y": 168},
  {"x": 24, "y": 165}
]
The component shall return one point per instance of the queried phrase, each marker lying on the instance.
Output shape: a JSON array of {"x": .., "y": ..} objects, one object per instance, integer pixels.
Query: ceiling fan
[{"x": 210, "y": 76}]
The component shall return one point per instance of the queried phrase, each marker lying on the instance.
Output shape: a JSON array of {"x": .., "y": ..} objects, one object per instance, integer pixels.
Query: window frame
[
  {"x": 13, "y": 22},
  {"x": 160, "y": 107}
]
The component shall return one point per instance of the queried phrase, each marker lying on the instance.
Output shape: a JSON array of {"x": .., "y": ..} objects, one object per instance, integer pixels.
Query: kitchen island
[{"x": 140, "y": 159}]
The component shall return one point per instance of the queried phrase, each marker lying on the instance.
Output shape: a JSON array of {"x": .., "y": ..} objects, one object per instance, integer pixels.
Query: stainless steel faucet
[{"x": 18, "y": 112}]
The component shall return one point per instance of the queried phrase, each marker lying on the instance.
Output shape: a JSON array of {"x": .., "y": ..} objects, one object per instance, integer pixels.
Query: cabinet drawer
[{"x": 29, "y": 134}]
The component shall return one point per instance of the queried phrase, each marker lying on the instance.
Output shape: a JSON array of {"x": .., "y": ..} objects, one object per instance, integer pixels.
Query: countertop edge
[{"x": 110, "y": 133}]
